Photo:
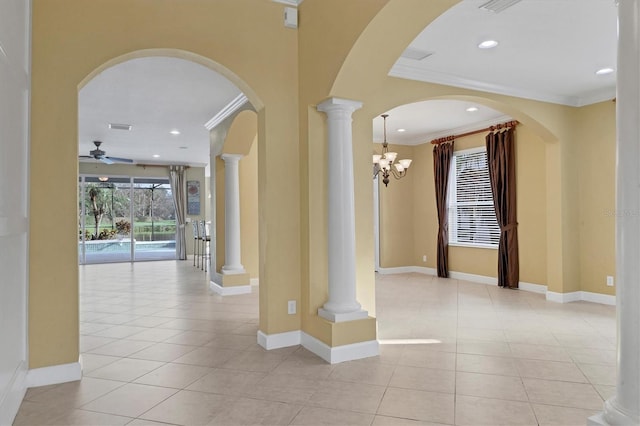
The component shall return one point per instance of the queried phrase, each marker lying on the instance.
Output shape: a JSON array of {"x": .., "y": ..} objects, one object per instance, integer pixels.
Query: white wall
[{"x": 14, "y": 141}]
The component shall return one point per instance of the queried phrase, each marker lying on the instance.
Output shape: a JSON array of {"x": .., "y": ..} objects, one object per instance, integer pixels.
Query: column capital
[
  {"x": 333, "y": 104},
  {"x": 231, "y": 157}
]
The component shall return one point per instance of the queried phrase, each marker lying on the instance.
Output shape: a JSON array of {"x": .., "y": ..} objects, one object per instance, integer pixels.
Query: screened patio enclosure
[{"x": 125, "y": 219}]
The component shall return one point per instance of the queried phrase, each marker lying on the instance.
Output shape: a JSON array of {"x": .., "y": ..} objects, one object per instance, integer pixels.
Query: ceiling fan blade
[
  {"x": 85, "y": 156},
  {"x": 105, "y": 160},
  {"x": 119, "y": 160}
]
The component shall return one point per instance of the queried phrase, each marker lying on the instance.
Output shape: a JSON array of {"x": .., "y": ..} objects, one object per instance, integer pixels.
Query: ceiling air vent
[
  {"x": 497, "y": 6},
  {"x": 115, "y": 126},
  {"x": 415, "y": 54}
]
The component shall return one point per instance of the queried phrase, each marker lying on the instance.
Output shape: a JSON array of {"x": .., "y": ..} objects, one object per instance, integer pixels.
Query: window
[{"x": 472, "y": 219}]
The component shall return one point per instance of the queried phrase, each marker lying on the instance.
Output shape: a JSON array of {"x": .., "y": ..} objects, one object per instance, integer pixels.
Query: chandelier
[{"x": 385, "y": 163}]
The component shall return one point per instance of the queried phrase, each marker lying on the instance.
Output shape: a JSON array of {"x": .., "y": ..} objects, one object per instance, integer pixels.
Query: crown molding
[
  {"x": 403, "y": 70},
  {"x": 225, "y": 112},
  {"x": 601, "y": 95}
]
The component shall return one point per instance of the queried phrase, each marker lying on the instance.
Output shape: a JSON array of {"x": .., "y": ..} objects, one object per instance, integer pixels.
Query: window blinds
[{"x": 472, "y": 218}]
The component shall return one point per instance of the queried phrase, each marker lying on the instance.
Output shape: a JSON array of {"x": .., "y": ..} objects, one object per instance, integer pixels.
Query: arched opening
[
  {"x": 152, "y": 110},
  {"x": 408, "y": 223}
]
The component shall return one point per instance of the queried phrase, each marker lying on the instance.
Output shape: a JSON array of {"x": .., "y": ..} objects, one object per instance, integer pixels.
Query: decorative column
[
  {"x": 342, "y": 304},
  {"x": 232, "y": 215},
  {"x": 624, "y": 407}
]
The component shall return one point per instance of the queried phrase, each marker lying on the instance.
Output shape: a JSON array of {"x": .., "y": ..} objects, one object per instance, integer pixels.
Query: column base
[
  {"x": 227, "y": 285},
  {"x": 342, "y": 317},
  {"x": 232, "y": 270},
  {"x": 333, "y": 355},
  {"x": 612, "y": 415}
]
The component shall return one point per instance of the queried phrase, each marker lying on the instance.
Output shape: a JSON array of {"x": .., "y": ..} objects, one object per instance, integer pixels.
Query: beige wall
[
  {"x": 418, "y": 230},
  {"x": 397, "y": 225},
  {"x": 285, "y": 73},
  {"x": 425, "y": 224},
  {"x": 72, "y": 41},
  {"x": 596, "y": 132},
  {"x": 593, "y": 192},
  {"x": 249, "y": 211}
]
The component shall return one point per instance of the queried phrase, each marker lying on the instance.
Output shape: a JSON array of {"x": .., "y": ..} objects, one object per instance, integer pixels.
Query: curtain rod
[{"x": 490, "y": 128}]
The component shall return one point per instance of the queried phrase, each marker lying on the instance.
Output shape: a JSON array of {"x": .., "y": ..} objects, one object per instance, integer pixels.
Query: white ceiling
[
  {"x": 154, "y": 95},
  {"x": 548, "y": 50}
]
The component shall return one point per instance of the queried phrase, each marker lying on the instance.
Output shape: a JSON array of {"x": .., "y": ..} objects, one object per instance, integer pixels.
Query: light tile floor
[{"x": 159, "y": 347}]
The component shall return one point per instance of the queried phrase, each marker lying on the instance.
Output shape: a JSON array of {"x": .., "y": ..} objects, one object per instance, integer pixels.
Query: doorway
[{"x": 125, "y": 219}]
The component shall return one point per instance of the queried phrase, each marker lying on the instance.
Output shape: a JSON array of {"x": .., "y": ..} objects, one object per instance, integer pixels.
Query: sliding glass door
[
  {"x": 123, "y": 219},
  {"x": 155, "y": 219}
]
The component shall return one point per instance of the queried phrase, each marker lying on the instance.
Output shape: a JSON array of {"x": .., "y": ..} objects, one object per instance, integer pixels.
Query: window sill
[{"x": 479, "y": 246}]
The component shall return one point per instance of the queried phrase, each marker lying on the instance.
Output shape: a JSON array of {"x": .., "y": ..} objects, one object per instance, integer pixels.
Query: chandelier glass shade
[{"x": 385, "y": 164}]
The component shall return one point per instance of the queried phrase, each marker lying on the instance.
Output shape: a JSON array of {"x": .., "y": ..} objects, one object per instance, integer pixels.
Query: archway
[
  {"x": 384, "y": 93},
  {"x": 153, "y": 170}
]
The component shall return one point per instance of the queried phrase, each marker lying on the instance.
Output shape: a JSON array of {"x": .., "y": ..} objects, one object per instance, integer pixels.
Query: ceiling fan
[{"x": 99, "y": 154}]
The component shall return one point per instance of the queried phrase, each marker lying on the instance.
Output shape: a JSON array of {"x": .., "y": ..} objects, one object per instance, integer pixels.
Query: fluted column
[
  {"x": 232, "y": 264},
  {"x": 342, "y": 304},
  {"x": 624, "y": 407}
]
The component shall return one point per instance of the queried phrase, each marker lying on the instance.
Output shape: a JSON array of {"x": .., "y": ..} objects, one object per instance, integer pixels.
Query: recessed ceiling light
[
  {"x": 175, "y": 132},
  {"x": 156, "y": 155},
  {"x": 488, "y": 44},
  {"x": 471, "y": 109},
  {"x": 402, "y": 130},
  {"x": 604, "y": 71}
]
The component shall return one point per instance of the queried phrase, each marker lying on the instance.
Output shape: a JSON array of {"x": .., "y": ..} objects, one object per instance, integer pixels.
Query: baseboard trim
[
  {"x": 425, "y": 270},
  {"x": 11, "y": 397},
  {"x": 396, "y": 270},
  {"x": 575, "y": 296},
  {"x": 279, "y": 340},
  {"x": 338, "y": 354},
  {"x": 229, "y": 291},
  {"x": 407, "y": 270},
  {"x": 533, "y": 288},
  {"x": 481, "y": 279},
  {"x": 604, "y": 299},
  {"x": 54, "y": 374},
  {"x": 333, "y": 355}
]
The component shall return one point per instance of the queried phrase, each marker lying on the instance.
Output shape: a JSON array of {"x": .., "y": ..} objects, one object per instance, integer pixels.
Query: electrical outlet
[
  {"x": 609, "y": 281},
  {"x": 291, "y": 307},
  {"x": 424, "y": 257}
]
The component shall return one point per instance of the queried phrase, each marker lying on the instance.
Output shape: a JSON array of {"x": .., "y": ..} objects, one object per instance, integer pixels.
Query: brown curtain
[
  {"x": 442, "y": 154},
  {"x": 501, "y": 159}
]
